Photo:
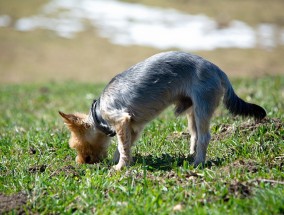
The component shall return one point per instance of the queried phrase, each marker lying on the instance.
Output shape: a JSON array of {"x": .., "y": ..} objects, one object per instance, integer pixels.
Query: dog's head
[{"x": 90, "y": 144}]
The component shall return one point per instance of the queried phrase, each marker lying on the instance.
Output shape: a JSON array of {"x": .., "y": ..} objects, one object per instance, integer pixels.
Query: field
[
  {"x": 41, "y": 56},
  {"x": 243, "y": 174},
  {"x": 41, "y": 74}
]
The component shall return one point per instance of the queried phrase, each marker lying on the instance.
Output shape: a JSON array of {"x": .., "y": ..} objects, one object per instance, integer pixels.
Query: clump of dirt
[
  {"x": 239, "y": 189},
  {"x": 166, "y": 177},
  {"x": 243, "y": 165},
  {"x": 236, "y": 189},
  {"x": 67, "y": 171},
  {"x": 181, "y": 179},
  {"x": 252, "y": 125},
  {"x": 32, "y": 151},
  {"x": 15, "y": 202},
  {"x": 177, "y": 135},
  {"x": 227, "y": 130},
  {"x": 39, "y": 168}
]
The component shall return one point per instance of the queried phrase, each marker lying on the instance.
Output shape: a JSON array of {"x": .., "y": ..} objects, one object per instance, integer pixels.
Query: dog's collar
[{"x": 100, "y": 123}]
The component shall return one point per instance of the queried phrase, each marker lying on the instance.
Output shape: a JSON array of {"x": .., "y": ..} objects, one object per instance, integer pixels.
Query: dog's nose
[{"x": 88, "y": 159}]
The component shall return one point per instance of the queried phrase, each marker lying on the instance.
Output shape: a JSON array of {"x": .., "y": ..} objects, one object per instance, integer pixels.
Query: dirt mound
[
  {"x": 67, "y": 171},
  {"x": 252, "y": 125},
  {"x": 238, "y": 189},
  {"x": 14, "y": 202},
  {"x": 36, "y": 169},
  {"x": 227, "y": 130},
  {"x": 243, "y": 165}
]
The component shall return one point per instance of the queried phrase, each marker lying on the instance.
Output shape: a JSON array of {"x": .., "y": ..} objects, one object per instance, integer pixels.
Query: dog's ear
[
  {"x": 73, "y": 120},
  {"x": 68, "y": 118}
]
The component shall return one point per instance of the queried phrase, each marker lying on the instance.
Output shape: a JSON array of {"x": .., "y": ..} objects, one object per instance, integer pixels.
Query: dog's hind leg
[
  {"x": 204, "y": 106},
  {"x": 192, "y": 130},
  {"x": 202, "y": 126}
]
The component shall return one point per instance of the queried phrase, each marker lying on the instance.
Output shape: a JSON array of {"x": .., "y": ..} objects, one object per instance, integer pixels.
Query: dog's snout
[{"x": 88, "y": 159}]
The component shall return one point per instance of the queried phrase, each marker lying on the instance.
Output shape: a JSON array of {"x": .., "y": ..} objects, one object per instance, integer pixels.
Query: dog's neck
[{"x": 98, "y": 120}]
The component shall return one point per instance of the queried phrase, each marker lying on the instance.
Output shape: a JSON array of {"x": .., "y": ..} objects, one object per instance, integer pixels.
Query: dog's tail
[{"x": 236, "y": 105}]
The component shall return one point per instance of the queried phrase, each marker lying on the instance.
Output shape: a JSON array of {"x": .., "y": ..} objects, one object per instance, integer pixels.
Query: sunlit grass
[{"x": 36, "y": 159}]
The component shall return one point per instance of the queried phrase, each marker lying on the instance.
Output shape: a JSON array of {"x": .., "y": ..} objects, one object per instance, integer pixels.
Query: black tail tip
[{"x": 258, "y": 112}]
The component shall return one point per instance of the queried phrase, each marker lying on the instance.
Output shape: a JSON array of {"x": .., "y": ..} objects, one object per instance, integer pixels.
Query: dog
[{"x": 136, "y": 96}]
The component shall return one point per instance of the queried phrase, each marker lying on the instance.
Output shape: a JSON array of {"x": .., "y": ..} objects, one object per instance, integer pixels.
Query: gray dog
[{"x": 133, "y": 98}]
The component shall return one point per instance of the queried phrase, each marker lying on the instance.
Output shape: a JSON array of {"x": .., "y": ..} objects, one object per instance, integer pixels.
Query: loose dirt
[
  {"x": 227, "y": 130},
  {"x": 15, "y": 202},
  {"x": 36, "y": 169},
  {"x": 67, "y": 171}
]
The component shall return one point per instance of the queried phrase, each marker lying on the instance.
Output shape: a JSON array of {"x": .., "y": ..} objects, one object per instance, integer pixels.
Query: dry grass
[
  {"x": 41, "y": 56},
  {"x": 18, "y": 9},
  {"x": 251, "y": 11}
]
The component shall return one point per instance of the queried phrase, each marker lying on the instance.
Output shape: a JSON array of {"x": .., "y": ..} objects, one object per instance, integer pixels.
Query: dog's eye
[{"x": 88, "y": 159}]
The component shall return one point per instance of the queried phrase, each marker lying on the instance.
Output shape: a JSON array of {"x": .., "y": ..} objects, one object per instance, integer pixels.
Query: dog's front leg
[{"x": 124, "y": 144}]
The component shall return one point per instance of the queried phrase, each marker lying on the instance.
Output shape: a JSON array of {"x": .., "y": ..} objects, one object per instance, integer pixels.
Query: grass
[
  {"x": 18, "y": 9},
  {"x": 37, "y": 166},
  {"x": 41, "y": 56},
  {"x": 38, "y": 174},
  {"x": 252, "y": 12}
]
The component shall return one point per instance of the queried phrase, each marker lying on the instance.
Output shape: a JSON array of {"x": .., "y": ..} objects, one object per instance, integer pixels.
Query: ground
[
  {"x": 41, "y": 74},
  {"x": 243, "y": 173},
  {"x": 41, "y": 56}
]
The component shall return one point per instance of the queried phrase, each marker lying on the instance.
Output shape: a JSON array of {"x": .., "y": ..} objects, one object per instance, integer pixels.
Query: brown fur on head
[{"x": 90, "y": 144}]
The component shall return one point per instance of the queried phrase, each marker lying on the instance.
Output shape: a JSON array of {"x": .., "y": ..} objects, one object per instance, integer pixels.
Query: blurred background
[{"x": 92, "y": 40}]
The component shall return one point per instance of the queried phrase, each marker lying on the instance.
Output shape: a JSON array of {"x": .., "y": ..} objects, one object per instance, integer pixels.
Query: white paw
[
  {"x": 117, "y": 167},
  {"x": 192, "y": 152}
]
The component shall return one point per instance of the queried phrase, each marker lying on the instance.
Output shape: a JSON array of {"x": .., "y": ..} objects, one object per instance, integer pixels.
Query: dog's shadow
[
  {"x": 162, "y": 162},
  {"x": 168, "y": 162}
]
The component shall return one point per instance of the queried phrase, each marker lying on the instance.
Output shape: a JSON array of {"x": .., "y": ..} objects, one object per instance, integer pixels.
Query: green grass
[{"x": 35, "y": 158}]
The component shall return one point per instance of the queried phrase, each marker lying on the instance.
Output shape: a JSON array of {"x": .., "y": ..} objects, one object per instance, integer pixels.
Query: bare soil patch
[
  {"x": 67, "y": 171},
  {"x": 244, "y": 165},
  {"x": 15, "y": 202},
  {"x": 227, "y": 130},
  {"x": 37, "y": 169},
  {"x": 239, "y": 189}
]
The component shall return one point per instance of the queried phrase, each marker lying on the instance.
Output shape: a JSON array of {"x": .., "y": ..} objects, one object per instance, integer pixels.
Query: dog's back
[{"x": 150, "y": 86}]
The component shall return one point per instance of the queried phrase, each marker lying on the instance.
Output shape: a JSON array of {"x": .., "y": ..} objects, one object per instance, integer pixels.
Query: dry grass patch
[
  {"x": 41, "y": 56},
  {"x": 252, "y": 11}
]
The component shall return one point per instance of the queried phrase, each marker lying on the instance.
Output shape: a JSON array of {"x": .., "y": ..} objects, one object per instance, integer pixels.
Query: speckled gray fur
[{"x": 194, "y": 85}]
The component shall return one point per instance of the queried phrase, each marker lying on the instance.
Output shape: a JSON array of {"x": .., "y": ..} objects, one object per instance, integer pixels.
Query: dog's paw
[
  {"x": 192, "y": 153},
  {"x": 199, "y": 163},
  {"x": 117, "y": 167}
]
